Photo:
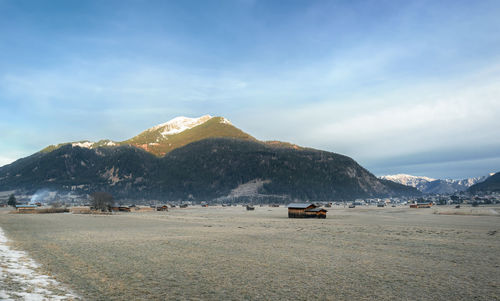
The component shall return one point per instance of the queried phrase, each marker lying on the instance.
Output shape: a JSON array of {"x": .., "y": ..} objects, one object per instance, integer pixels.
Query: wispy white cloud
[
  {"x": 370, "y": 124},
  {"x": 6, "y": 160},
  {"x": 411, "y": 81},
  {"x": 452, "y": 116}
]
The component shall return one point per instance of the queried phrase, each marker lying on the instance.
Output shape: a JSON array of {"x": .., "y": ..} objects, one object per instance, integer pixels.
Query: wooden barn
[
  {"x": 26, "y": 208},
  {"x": 421, "y": 205},
  {"x": 121, "y": 208},
  {"x": 305, "y": 210},
  {"x": 162, "y": 208},
  {"x": 316, "y": 212}
]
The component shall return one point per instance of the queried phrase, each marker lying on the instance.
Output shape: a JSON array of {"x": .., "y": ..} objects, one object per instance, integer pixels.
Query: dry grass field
[{"x": 220, "y": 253}]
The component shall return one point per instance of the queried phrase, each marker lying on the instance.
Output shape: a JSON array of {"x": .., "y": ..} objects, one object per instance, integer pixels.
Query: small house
[
  {"x": 121, "y": 208},
  {"x": 298, "y": 210},
  {"x": 421, "y": 205},
  {"x": 162, "y": 208},
  {"x": 26, "y": 208},
  {"x": 316, "y": 212},
  {"x": 305, "y": 210}
]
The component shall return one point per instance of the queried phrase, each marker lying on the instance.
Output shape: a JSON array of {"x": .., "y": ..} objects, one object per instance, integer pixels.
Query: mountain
[
  {"x": 170, "y": 135},
  {"x": 492, "y": 184},
  {"x": 204, "y": 159},
  {"x": 414, "y": 181},
  {"x": 434, "y": 186},
  {"x": 181, "y": 131}
]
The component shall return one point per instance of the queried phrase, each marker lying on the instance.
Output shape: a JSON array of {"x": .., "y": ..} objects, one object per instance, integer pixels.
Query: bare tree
[{"x": 101, "y": 200}]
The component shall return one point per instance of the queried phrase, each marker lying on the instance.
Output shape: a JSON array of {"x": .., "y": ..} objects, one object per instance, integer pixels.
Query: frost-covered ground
[
  {"x": 20, "y": 277},
  {"x": 229, "y": 253}
]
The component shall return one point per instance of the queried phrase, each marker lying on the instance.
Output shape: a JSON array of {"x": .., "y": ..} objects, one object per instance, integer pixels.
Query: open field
[{"x": 229, "y": 253}]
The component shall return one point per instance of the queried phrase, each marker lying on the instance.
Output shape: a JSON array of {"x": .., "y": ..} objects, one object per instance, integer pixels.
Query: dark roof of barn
[
  {"x": 300, "y": 205},
  {"x": 316, "y": 210}
]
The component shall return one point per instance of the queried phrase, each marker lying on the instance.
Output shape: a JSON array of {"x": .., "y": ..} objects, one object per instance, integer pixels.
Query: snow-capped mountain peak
[
  {"x": 429, "y": 185},
  {"x": 408, "y": 180},
  {"x": 225, "y": 121},
  {"x": 179, "y": 124}
]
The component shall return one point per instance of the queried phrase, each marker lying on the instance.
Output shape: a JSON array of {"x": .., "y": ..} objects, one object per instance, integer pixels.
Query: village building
[
  {"x": 305, "y": 210},
  {"x": 26, "y": 208},
  {"x": 121, "y": 208},
  {"x": 421, "y": 205},
  {"x": 162, "y": 208},
  {"x": 316, "y": 212}
]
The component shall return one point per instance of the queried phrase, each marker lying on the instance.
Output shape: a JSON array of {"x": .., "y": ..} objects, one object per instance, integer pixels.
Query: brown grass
[
  {"x": 220, "y": 253},
  {"x": 470, "y": 211}
]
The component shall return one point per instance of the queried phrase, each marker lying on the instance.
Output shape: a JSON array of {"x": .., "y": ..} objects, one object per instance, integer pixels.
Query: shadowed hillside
[
  {"x": 202, "y": 170},
  {"x": 492, "y": 184}
]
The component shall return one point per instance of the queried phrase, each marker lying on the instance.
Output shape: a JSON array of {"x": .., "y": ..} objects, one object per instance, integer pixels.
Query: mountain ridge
[
  {"x": 435, "y": 186},
  {"x": 205, "y": 167},
  {"x": 165, "y": 137},
  {"x": 491, "y": 184},
  {"x": 204, "y": 170}
]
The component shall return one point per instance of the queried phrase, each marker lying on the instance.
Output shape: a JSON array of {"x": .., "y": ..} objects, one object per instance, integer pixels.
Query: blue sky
[{"x": 400, "y": 86}]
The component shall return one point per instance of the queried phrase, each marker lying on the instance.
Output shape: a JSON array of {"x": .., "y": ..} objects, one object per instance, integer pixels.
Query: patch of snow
[
  {"x": 86, "y": 144},
  {"x": 225, "y": 121},
  {"x": 4, "y": 296},
  {"x": 19, "y": 271},
  {"x": 180, "y": 124}
]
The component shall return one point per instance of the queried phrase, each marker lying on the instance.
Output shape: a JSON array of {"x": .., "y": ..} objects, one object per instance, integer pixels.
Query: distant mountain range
[
  {"x": 199, "y": 159},
  {"x": 438, "y": 186}
]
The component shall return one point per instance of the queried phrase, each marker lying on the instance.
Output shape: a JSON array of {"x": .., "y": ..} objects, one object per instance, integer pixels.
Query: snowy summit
[
  {"x": 408, "y": 180},
  {"x": 180, "y": 124}
]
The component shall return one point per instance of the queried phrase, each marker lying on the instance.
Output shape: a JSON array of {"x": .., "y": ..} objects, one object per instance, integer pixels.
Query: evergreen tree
[{"x": 12, "y": 201}]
